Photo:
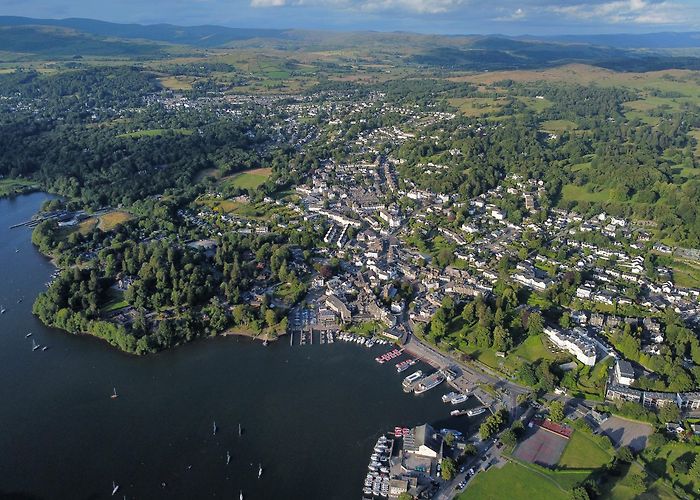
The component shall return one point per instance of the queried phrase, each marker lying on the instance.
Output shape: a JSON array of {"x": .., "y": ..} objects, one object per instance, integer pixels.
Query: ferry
[
  {"x": 429, "y": 382},
  {"x": 449, "y": 397},
  {"x": 476, "y": 411},
  {"x": 409, "y": 381},
  {"x": 459, "y": 398}
]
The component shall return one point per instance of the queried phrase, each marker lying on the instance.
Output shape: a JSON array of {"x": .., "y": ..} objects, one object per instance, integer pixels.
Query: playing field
[
  {"x": 582, "y": 452},
  {"x": 250, "y": 179},
  {"x": 514, "y": 482}
]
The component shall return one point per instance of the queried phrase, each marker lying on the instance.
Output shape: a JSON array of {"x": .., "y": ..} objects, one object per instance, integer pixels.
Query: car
[{"x": 462, "y": 469}]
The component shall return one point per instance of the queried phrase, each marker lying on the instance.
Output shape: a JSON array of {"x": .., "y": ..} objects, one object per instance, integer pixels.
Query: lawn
[
  {"x": 622, "y": 489},
  {"x": 660, "y": 463},
  {"x": 116, "y": 301},
  {"x": 686, "y": 273},
  {"x": 250, "y": 179},
  {"x": 571, "y": 192},
  {"x": 558, "y": 126},
  {"x": 477, "y": 106},
  {"x": 519, "y": 482},
  {"x": 583, "y": 453},
  {"x": 696, "y": 135},
  {"x": 154, "y": 132},
  {"x": 536, "y": 105},
  {"x": 176, "y": 82},
  {"x": 110, "y": 220}
]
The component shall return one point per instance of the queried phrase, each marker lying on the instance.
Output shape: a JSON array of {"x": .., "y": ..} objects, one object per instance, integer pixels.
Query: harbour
[{"x": 159, "y": 429}]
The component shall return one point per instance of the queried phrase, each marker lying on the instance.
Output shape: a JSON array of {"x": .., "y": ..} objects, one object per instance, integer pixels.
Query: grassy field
[
  {"x": 207, "y": 172},
  {"x": 661, "y": 464},
  {"x": 558, "y": 126},
  {"x": 520, "y": 482},
  {"x": 155, "y": 132},
  {"x": 583, "y": 453},
  {"x": 15, "y": 186},
  {"x": 116, "y": 301},
  {"x": 477, "y": 106},
  {"x": 110, "y": 220},
  {"x": 622, "y": 489},
  {"x": 571, "y": 192},
  {"x": 696, "y": 135},
  {"x": 250, "y": 179},
  {"x": 536, "y": 105},
  {"x": 177, "y": 82}
]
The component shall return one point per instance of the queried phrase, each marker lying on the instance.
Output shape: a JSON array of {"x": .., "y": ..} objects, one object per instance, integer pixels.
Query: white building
[{"x": 574, "y": 342}]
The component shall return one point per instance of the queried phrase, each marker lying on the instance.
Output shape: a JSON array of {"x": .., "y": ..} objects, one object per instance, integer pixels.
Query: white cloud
[
  {"x": 627, "y": 11},
  {"x": 417, "y": 6},
  {"x": 516, "y": 15}
]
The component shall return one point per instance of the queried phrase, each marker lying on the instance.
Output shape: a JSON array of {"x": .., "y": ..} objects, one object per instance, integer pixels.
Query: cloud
[
  {"x": 516, "y": 15},
  {"x": 627, "y": 11},
  {"x": 415, "y": 6}
]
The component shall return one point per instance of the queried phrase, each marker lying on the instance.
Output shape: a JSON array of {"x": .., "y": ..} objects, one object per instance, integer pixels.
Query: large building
[
  {"x": 423, "y": 441},
  {"x": 624, "y": 373},
  {"x": 574, "y": 342}
]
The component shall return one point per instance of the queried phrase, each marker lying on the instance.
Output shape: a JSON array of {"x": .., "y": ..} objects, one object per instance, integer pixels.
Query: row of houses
[{"x": 687, "y": 401}]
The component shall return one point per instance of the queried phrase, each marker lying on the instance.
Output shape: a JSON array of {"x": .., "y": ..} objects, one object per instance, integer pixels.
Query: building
[
  {"x": 621, "y": 393},
  {"x": 337, "y": 305},
  {"x": 624, "y": 373},
  {"x": 423, "y": 441},
  {"x": 658, "y": 399},
  {"x": 688, "y": 401},
  {"x": 575, "y": 342}
]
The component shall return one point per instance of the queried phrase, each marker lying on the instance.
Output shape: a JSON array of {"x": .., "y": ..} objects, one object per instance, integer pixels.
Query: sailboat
[
  {"x": 28, "y": 335},
  {"x": 215, "y": 428},
  {"x": 2, "y": 310},
  {"x": 239, "y": 430},
  {"x": 115, "y": 488},
  {"x": 114, "y": 393},
  {"x": 228, "y": 458},
  {"x": 35, "y": 346},
  {"x": 260, "y": 470},
  {"x": 44, "y": 348},
  {"x": 241, "y": 495}
]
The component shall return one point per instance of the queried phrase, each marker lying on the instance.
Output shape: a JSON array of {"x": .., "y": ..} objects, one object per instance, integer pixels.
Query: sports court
[{"x": 541, "y": 447}]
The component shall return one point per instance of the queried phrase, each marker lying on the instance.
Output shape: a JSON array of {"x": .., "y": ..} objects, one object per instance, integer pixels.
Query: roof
[
  {"x": 423, "y": 435},
  {"x": 625, "y": 368}
]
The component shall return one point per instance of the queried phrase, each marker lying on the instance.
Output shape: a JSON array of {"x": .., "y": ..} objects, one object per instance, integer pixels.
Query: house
[
  {"x": 624, "y": 373},
  {"x": 658, "y": 399},
  {"x": 621, "y": 393},
  {"x": 688, "y": 401}
]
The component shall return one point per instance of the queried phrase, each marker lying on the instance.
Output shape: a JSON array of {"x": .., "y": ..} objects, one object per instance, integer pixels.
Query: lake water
[{"x": 310, "y": 414}]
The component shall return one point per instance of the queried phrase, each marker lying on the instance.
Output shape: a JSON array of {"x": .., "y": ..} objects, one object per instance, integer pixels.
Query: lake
[{"x": 310, "y": 414}]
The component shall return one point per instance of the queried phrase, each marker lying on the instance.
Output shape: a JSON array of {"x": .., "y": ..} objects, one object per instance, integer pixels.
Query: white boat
[
  {"x": 476, "y": 411},
  {"x": 239, "y": 430},
  {"x": 459, "y": 398},
  {"x": 44, "y": 348},
  {"x": 115, "y": 488},
  {"x": 2, "y": 310},
  {"x": 114, "y": 393},
  {"x": 260, "y": 471},
  {"x": 215, "y": 428},
  {"x": 228, "y": 458},
  {"x": 240, "y": 496},
  {"x": 449, "y": 397},
  {"x": 28, "y": 335},
  {"x": 35, "y": 346}
]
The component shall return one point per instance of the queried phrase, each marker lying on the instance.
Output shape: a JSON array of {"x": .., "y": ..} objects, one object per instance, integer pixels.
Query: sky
[{"x": 510, "y": 17}]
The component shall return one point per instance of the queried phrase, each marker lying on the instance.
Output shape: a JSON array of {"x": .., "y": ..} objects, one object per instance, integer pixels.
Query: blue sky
[{"x": 513, "y": 17}]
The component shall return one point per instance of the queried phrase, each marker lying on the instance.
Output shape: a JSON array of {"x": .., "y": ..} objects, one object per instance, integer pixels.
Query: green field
[
  {"x": 251, "y": 179},
  {"x": 520, "y": 483},
  {"x": 571, "y": 192},
  {"x": 582, "y": 452},
  {"x": 558, "y": 126},
  {"x": 477, "y": 106},
  {"x": 154, "y": 132},
  {"x": 116, "y": 301}
]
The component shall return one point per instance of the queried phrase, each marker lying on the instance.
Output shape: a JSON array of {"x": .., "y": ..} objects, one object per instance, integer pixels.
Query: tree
[
  {"x": 624, "y": 454},
  {"x": 669, "y": 413},
  {"x": 695, "y": 468},
  {"x": 579, "y": 493},
  {"x": 405, "y": 496},
  {"x": 470, "y": 450},
  {"x": 535, "y": 324},
  {"x": 638, "y": 482},
  {"x": 556, "y": 411},
  {"x": 448, "y": 469},
  {"x": 508, "y": 438},
  {"x": 449, "y": 439}
]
